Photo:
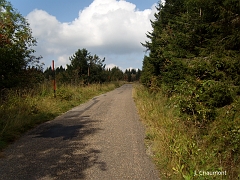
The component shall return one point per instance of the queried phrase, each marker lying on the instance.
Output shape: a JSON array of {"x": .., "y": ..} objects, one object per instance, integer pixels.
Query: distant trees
[
  {"x": 16, "y": 42},
  {"x": 19, "y": 68},
  {"x": 86, "y": 68},
  {"x": 132, "y": 75},
  {"x": 115, "y": 74}
]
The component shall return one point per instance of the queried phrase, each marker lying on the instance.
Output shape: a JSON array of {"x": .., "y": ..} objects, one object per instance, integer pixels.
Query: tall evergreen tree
[{"x": 194, "y": 41}]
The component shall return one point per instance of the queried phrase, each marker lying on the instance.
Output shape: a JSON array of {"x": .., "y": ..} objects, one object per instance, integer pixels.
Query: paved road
[{"x": 101, "y": 139}]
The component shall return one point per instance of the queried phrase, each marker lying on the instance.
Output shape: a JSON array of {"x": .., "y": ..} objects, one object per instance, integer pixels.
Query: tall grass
[
  {"x": 21, "y": 110},
  {"x": 179, "y": 149}
]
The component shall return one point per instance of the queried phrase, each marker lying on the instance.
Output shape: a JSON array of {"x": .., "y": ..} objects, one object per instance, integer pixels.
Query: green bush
[
  {"x": 64, "y": 94},
  {"x": 215, "y": 94},
  {"x": 174, "y": 73},
  {"x": 199, "y": 100}
]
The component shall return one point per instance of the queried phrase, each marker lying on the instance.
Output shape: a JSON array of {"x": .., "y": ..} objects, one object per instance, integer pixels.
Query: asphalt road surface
[{"x": 102, "y": 139}]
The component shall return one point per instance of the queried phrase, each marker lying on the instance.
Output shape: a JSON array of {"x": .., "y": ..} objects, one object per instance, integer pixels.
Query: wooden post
[
  {"x": 54, "y": 79},
  {"x": 88, "y": 73}
]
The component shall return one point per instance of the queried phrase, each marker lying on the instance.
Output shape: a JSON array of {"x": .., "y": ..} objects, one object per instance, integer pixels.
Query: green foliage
[
  {"x": 16, "y": 44},
  {"x": 147, "y": 72},
  {"x": 181, "y": 148},
  {"x": 132, "y": 75},
  {"x": 64, "y": 94},
  {"x": 85, "y": 66},
  {"x": 194, "y": 56},
  {"x": 185, "y": 47},
  {"x": 215, "y": 94},
  {"x": 116, "y": 74},
  {"x": 22, "y": 110},
  {"x": 174, "y": 72}
]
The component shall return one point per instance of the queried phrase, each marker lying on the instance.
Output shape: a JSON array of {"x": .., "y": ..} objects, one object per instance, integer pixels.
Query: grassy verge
[
  {"x": 183, "y": 151},
  {"x": 23, "y": 110}
]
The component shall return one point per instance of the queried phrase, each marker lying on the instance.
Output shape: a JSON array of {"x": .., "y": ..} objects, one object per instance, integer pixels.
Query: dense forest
[{"x": 194, "y": 59}]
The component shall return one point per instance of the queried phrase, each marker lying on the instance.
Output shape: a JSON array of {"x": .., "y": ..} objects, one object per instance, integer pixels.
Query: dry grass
[
  {"x": 23, "y": 110},
  {"x": 162, "y": 129},
  {"x": 177, "y": 147}
]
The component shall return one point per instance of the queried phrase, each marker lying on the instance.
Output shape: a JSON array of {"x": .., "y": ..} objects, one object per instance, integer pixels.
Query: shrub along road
[{"x": 101, "y": 139}]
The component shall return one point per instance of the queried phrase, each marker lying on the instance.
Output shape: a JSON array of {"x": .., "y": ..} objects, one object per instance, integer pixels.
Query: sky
[{"x": 113, "y": 29}]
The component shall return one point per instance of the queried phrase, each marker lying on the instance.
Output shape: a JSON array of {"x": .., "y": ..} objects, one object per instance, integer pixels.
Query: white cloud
[
  {"x": 63, "y": 60},
  {"x": 110, "y": 66},
  {"x": 107, "y": 28}
]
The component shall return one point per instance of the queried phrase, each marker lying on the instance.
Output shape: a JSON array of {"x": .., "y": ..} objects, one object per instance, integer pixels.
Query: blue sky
[{"x": 109, "y": 28}]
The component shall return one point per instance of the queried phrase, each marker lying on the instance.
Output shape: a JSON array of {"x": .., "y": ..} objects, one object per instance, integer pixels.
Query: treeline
[
  {"x": 85, "y": 68},
  {"x": 194, "y": 58},
  {"x": 21, "y": 69}
]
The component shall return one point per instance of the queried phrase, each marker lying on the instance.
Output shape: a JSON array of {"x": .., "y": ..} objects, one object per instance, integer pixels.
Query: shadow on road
[
  {"x": 54, "y": 150},
  {"x": 58, "y": 130}
]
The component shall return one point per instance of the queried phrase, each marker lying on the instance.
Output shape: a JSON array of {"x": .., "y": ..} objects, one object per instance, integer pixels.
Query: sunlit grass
[
  {"x": 162, "y": 129},
  {"x": 180, "y": 149},
  {"x": 21, "y": 110}
]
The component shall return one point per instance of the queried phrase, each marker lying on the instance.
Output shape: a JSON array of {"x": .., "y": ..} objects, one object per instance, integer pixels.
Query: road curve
[{"x": 102, "y": 139}]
